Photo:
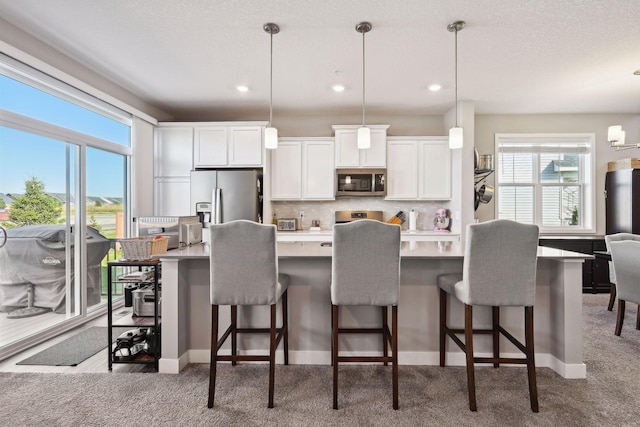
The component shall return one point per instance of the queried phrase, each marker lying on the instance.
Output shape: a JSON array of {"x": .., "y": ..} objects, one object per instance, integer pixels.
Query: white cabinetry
[
  {"x": 418, "y": 168},
  {"x": 172, "y": 166},
  {"x": 347, "y": 154},
  {"x": 228, "y": 146},
  {"x": 182, "y": 146},
  {"x": 303, "y": 169},
  {"x": 434, "y": 169}
]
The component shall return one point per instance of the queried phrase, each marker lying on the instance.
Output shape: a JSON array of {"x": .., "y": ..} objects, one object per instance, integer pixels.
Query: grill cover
[{"x": 35, "y": 254}]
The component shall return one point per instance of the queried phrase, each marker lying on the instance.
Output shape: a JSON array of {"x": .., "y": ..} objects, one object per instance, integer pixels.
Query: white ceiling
[{"x": 187, "y": 56}]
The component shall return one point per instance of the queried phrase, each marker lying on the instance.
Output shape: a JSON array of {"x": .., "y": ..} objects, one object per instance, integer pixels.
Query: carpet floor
[{"x": 429, "y": 395}]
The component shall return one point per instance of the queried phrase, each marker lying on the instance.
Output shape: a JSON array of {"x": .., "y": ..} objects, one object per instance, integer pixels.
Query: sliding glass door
[{"x": 40, "y": 272}]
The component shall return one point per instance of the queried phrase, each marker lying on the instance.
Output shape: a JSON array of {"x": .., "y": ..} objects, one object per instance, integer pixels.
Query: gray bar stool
[
  {"x": 244, "y": 271},
  {"x": 612, "y": 272},
  {"x": 499, "y": 270},
  {"x": 365, "y": 270},
  {"x": 625, "y": 255}
]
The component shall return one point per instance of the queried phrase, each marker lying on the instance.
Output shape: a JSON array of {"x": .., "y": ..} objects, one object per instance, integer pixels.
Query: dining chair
[
  {"x": 365, "y": 271},
  {"x": 625, "y": 255},
  {"x": 499, "y": 270},
  {"x": 612, "y": 274},
  {"x": 244, "y": 271}
]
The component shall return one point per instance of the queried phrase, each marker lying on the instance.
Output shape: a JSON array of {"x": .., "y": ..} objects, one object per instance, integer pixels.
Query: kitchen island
[{"x": 186, "y": 309}]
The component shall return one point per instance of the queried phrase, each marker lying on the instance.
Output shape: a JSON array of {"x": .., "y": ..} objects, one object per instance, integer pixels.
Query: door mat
[{"x": 74, "y": 349}]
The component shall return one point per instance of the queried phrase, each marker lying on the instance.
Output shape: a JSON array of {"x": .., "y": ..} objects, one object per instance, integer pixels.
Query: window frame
[{"x": 586, "y": 178}]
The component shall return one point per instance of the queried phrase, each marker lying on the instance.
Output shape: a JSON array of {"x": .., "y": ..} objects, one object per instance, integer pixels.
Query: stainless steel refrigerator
[{"x": 224, "y": 195}]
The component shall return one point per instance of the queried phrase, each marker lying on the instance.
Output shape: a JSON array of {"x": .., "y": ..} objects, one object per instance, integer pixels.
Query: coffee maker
[{"x": 442, "y": 220}]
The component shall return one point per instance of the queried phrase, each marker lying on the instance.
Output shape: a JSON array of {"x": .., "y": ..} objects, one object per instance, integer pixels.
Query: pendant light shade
[
  {"x": 364, "y": 133},
  {"x": 270, "y": 132},
  {"x": 270, "y": 138},
  {"x": 364, "y": 138},
  {"x": 455, "y": 138},
  {"x": 455, "y": 133}
]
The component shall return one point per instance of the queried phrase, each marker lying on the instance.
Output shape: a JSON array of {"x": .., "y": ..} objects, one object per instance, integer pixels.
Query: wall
[
  {"x": 486, "y": 126},
  {"x": 24, "y": 47},
  {"x": 320, "y": 125},
  {"x": 324, "y": 210}
]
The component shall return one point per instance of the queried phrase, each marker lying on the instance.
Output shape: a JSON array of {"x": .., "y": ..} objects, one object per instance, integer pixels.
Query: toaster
[{"x": 288, "y": 224}]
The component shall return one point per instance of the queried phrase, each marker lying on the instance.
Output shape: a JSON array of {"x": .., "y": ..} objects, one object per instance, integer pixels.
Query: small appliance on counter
[
  {"x": 442, "y": 220},
  {"x": 413, "y": 220},
  {"x": 348, "y": 216},
  {"x": 167, "y": 226},
  {"x": 287, "y": 224}
]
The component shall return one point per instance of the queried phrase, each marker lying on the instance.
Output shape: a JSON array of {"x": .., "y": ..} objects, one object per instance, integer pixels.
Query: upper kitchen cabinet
[
  {"x": 172, "y": 153},
  {"x": 303, "y": 169},
  {"x": 228, "y": 146},
  {"x": 418, "y": 168},
  {"x": 347, "y": 154}
]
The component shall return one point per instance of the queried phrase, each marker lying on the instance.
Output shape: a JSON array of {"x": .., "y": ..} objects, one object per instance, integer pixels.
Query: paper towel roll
[{"x": 413, "y": 219}]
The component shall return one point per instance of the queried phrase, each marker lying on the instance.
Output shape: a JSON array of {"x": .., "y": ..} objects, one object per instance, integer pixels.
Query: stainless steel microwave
[{"x": 361, "y": 182}]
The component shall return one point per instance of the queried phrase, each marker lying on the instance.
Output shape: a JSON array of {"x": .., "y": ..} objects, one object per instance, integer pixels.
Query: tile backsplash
[{"x": 324, "y": 210}]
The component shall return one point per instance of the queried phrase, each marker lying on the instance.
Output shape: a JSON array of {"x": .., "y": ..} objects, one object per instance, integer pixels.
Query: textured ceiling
[{"x": 187, "y": 56}]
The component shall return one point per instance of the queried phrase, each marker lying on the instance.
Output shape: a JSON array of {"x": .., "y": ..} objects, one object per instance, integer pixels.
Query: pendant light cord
[
  {"x": 363, "y": 77},
  {"x": 456, "y": 74},
  {"x": 271, "y": 79}
]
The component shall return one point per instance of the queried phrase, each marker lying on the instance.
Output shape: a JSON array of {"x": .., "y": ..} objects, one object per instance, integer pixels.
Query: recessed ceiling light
[
  {"x": 636, "y": 73},
  {"x": 337, "y": 88},
  {"x": 435, "y": 87},
  {"x": 242, "y": 88}
]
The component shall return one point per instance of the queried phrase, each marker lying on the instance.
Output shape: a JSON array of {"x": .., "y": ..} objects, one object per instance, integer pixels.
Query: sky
[{"x": 24, "y": 155}]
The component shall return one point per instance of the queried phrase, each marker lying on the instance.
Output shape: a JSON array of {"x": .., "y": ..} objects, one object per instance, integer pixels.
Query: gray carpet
[
  {"x": 74, "y": 349},
  {"x": 429, "y": 395}
]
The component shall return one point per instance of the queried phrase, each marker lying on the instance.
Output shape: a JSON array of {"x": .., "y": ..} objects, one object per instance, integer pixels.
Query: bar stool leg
[
  {"x": 531, "y": 364},
  {"x": 443, "y": 322},
  {"x": 285, "y": 326},
  {"x": 394, "y": 340},
  {"x": 234, "y": 333},
  {"x": 214, "y": 355},
  {"x": 468, "y": 340},
  {"x": 620, "y": 320},
  {"x": 334, "y": 320},
  {"x": 272, "y": 354},
  {"x": 385, "y": 327},
  {"x": 612, "y": 297},
  {"x": 496, "y": 335}
]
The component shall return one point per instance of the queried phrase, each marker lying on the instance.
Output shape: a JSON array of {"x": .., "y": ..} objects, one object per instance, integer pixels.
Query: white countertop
[
  {"x": 410, "y": 249},
  {"x": 405, "y": 236}
]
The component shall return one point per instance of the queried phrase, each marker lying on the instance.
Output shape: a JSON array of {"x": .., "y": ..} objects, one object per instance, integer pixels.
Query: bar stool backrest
[
  {"x": 499, "y": 264},
  {"x": 365, "y": 263},
  {"x": 244, "y": 264},
  {"x": 616, "y": 238}
]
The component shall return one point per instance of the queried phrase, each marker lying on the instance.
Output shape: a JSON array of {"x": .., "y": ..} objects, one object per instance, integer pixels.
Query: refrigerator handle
[{"x": 217, "y": 218}]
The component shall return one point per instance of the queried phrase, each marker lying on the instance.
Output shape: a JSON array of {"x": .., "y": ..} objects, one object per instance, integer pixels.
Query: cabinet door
[
  {"x": 172, "y": 196},
  {"x": 347, "y": 152},
  {"x": 402, "y": 170},
  {"x": 376, "y": 156},
  {"x": 210, "y": 147},
  {"x": 435, "y": 170},
  {"x": 286, "y": 171},
  {"x": 173, "y": 151},
  {"x": 317, "y": 170},
  {"x": 245, "y": 146}
]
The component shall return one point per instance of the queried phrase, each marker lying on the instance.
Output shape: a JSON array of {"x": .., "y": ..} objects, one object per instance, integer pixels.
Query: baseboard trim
[{"x": 429, "y": 358}]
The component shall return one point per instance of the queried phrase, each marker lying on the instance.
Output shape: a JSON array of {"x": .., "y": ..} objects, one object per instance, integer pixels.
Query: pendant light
[
  {"x": 455, "y": 133},
  {"x": 364, "y": 133},
  {"x": 271, "y": 133}
]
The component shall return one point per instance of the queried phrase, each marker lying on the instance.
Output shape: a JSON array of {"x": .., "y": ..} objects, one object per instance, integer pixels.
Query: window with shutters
[{"x": 546, "y": 179}]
